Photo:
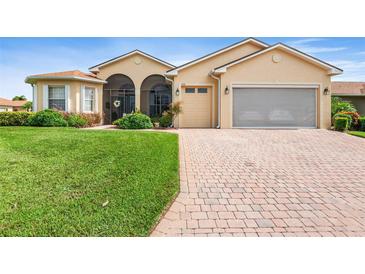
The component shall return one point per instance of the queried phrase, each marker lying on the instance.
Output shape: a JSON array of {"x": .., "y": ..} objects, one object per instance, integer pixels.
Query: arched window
[{"x": 156, "y": 95}]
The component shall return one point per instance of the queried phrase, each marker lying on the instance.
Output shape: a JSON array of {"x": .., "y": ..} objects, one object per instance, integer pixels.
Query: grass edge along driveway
[
  {"x": 357, "y": 133},
  {"x": 71, "y": 182}
]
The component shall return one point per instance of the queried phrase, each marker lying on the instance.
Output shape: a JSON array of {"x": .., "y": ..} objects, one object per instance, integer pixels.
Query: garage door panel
[
  {"x": 274, "y": 107},
  {"x": 196, "y": 109}
]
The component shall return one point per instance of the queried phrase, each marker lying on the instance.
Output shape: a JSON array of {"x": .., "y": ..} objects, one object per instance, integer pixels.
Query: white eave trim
[
  {"x": 30, "y": 78},
  {"x": 331, "y": 70},
  {"x": 96, "y": 68},
  {"x": 249, "y": 40}
]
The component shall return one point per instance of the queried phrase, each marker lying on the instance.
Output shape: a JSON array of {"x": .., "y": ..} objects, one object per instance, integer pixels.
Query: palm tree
[
  {"x": 20, "y": 98},
  {"x": 27, "y": 106}
]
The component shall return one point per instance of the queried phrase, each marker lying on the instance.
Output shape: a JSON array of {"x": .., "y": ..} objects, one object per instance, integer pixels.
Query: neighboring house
[
  {"x": 351, "y": 91},
  {"x": 9, "y": 105},
  {"x": 245, "y": 85}
]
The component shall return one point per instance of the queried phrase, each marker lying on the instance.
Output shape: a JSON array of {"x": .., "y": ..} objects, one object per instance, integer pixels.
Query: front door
[{"x": 122, "y": 103}]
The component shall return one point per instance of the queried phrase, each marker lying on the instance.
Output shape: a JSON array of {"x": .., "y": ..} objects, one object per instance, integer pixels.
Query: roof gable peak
[{"x": 123, "y": 56}]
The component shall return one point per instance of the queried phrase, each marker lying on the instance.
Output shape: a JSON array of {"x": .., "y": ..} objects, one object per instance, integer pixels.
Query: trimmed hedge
[
  {"x": 47, "y": 118},
  {"x": 134, "y": 121},
  {"x": 341, "y": 123},
  {"x": 15, "y": 118},
  {"x": 362, "y": 123},
  {"x": 75, "y": 120}
]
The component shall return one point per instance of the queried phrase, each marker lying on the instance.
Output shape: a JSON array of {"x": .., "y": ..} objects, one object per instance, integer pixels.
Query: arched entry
[
  {"x": 118, "y": 97},
  {"x": 156, "y": 95}
]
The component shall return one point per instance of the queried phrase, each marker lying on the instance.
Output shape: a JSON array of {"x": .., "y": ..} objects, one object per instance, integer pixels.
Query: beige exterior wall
[
  {"x": 137, "y": 67},
  {"x": 6, "y": 108},
  {"x": 290, "y": 70},
  {"x": 74, "y": 96},
  {"x": 198, "y": 74}
]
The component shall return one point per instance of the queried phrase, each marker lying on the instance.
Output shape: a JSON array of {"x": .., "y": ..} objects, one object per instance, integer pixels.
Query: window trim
[
  {"x": 92, "y": 100},
  {"x": 65, "y": 95}
]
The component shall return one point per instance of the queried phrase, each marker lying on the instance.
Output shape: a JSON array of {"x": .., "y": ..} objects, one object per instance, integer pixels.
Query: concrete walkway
[{"x": 268, "y": 183}]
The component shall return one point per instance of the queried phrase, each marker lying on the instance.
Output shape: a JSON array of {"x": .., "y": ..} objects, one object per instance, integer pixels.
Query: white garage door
[{"x": 274, "y": 107}]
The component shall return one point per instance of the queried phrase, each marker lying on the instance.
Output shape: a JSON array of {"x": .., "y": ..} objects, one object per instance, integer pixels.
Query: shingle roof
[
  {"x": 10, "y": 103},
  {"x": 350, "y": 88}
]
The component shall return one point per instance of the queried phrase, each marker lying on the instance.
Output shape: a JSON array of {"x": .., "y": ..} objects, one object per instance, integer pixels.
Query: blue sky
[{"x": 20, "y": 57}]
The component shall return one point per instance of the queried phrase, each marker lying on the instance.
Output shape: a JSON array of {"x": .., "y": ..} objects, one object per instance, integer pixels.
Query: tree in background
[
  {"x": 20, "y": 98},
  {"x": 27, "y": 106}
]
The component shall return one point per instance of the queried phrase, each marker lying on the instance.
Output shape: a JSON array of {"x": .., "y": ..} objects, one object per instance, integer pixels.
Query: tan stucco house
[
  {"x": 245, "y": 85},
  {"x": 7, "y": 105}
]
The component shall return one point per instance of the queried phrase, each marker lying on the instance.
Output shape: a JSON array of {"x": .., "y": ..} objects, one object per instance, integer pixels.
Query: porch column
[{"x": 137, "y": 98}]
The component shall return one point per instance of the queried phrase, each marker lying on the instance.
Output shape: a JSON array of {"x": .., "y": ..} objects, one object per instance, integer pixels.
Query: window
[
  {"x": 190, "y": 90},
  {"x": 57, "y": 98},
  {"x": 202, "y": 90},
  {"x": 89, "y": 99}
]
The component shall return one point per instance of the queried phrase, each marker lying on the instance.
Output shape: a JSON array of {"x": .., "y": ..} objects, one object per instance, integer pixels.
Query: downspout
[{"x": 219, "y": 97}]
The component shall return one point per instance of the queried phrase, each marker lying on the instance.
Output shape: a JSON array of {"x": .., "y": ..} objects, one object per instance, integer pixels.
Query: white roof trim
[
  {"x": 249, "y": 40},
  {"x": 97, "y": 67},
  {"x": 29, "y": 78},
  {"x": 331, "y": 70}
]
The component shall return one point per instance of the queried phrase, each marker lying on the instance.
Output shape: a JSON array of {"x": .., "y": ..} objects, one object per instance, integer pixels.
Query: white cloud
[
  {"x": 306, "y": 41},
  {"x": 306, "y": 46},
  {"x": 320, "y": 49},
  {"x": 353, "y": 70}
]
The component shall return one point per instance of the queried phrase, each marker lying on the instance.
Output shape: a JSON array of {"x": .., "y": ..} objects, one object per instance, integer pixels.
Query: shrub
[
  {"x": 362, "y": 123},
  {"x": 14, "y": 118},
  {"x": 165, "y": 120},
  {"x": 47, "y": 118},
  {"x": 338, "y": 105},
  {"x": 343, "y": 115},
  {"x": 155, "y": 121},
  {"x": 134, "y": 120},
  {"x": 341, "y": 123},
  {"x": 91, "y": 118},
  {"x": 75, "y": 120},
  {"x": 174, "y": 110},
  {"x": 354, "y": 117}
]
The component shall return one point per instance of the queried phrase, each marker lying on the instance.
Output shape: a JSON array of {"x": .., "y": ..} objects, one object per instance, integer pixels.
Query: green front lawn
[
  {"x": 71, "y": 182},
  {"x": 358, "y": 133}
]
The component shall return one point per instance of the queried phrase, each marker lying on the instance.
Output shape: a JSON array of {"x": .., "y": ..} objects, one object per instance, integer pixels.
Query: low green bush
[
  {"x": 47, "y": 118},
  {"x": 134, "y": 120},
  {"x": 343, "y": 115},
  {"x": 75, "y": 120},
  {"x": 341, "y": 123},
  {"x": 165, "y": 120},
  {"x": 362, "y": 123},
  {"x": 17, "y": 118}
]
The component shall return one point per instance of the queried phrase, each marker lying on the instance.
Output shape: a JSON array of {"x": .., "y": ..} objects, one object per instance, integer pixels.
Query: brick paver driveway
[{"x": 268, "y": 183}]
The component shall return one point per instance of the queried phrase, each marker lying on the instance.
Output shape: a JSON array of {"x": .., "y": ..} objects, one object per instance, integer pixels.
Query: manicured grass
[
  {"x": 71, "y": 182},
  {"x": 358, "y": 133}
]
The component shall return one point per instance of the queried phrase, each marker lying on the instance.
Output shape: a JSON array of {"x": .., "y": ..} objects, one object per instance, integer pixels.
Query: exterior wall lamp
[
  {"x": 226, "y": 91},
  {"x": 177, "y": 92},
  {"x": 326, "y": 91}
]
